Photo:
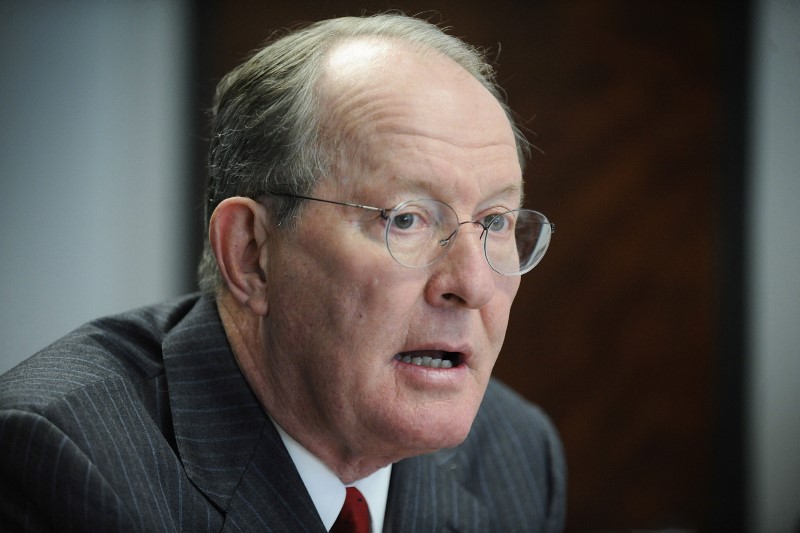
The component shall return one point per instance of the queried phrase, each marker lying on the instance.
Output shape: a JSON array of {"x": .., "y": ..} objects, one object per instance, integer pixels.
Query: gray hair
[{"x": 266, "y": 132}]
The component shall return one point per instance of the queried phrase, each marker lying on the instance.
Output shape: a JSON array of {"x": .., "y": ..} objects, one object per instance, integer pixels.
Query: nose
[{"x": 463, "y": 277}]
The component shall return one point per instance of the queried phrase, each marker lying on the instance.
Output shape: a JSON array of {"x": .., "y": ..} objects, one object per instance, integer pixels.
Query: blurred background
[{"x": 661, "y": 330}]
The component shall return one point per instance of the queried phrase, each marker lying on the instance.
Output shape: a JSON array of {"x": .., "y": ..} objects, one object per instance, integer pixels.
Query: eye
[
  {"x": 498, "y": 222},
  {"x": 415, "y": 217},
  {"x": 404, "y": 220}
]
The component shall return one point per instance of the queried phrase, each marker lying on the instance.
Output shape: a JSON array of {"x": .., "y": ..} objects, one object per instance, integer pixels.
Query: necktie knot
[{"x": 354, "y": 516}]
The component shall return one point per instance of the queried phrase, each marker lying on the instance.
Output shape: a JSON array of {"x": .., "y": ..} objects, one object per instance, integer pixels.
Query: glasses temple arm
[{"x": 382, "y": 210}]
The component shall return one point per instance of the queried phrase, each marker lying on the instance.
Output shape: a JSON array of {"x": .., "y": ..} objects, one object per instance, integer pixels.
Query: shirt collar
[{"x": 328, "y": 492}]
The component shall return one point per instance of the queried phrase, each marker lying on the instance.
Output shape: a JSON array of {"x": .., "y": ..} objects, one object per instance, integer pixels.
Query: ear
[{"x": 238, "y": 235}]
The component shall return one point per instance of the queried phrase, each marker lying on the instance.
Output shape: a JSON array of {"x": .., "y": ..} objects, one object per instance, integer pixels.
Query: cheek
[
  {"x": 380, "y": 308},
  {"x": 496, "y": 314},
  {"x": 348, "y": 301}
]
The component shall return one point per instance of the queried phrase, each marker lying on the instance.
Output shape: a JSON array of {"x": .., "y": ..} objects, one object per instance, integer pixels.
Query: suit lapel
[
  {"x": 271, "y": 495},
  {"x": 430, "y": 489},
  {"x": 228, "y": 446}
]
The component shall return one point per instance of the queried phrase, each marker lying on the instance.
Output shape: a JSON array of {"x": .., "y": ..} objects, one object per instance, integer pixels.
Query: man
[{"x": 365, "y": 244}]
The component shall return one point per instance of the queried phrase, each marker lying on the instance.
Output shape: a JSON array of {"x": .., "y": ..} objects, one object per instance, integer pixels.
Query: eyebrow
[
  {"x": 517, "y": 188},
  {"x": 426, "y": 186}
]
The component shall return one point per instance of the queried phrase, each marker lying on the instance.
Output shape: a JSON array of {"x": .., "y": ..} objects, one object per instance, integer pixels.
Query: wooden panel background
[{"x": 613, "y": 334}]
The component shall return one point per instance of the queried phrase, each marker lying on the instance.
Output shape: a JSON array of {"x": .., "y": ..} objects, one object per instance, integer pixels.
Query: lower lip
[{"x": 429, "y": 376}]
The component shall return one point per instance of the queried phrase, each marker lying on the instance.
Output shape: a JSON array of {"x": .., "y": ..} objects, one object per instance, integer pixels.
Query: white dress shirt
[{"x": 328, "y": 492}]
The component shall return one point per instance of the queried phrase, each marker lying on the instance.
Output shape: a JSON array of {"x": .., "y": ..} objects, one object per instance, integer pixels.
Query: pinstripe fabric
[{"x": 143, "y": 422}]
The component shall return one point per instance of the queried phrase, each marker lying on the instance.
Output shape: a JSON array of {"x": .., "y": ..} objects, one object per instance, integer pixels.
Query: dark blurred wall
[{"x": 614, "y": 333}]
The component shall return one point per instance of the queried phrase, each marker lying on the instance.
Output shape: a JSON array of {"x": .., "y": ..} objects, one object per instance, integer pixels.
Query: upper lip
[{"x": 463, "y": 351}]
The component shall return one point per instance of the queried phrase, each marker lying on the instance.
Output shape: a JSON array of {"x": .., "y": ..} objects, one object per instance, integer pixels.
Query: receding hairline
[
  {"x": 362, "y": 54},
  {"x": 376, "y": 62}
]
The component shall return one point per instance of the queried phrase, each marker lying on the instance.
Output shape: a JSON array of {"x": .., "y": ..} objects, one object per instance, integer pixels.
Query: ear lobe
[{"x": 238, "y": 236}]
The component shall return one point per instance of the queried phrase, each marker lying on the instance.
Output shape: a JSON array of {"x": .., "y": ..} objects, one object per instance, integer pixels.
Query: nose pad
[
  {"x": 449, "y": 239},
  {"x": 463, "y": 276}
]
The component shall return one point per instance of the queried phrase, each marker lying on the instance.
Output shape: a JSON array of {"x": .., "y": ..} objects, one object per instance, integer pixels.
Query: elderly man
[{"x": 365, "y": 243}]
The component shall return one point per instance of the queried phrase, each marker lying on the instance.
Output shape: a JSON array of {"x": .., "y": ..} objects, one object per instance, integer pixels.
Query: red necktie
[{"x": 354, "y": 517}]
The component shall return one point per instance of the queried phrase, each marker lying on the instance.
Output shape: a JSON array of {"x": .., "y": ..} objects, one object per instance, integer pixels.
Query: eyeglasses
[{"x": 420, "y": 232}]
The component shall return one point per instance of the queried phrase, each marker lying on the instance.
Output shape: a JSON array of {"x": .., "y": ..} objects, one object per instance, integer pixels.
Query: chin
[{"x": 436, "y": 433}]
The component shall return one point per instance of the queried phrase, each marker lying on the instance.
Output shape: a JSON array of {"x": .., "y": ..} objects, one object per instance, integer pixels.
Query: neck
[{"x": 348, "y": 469}]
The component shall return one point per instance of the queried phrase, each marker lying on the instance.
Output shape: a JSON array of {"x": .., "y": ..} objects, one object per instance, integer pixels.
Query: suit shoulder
[
  {"x": 518, "y": 429},
  {"x": 515, "y": 455},
  {"x": 502, "y": 402},
  {"x": 126, "y": 346}
]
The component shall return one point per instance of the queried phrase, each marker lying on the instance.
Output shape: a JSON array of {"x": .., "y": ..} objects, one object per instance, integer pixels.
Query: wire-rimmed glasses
[{"x": 420, "y": 232}]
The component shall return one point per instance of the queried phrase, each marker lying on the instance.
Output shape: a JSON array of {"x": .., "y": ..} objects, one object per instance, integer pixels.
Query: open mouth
[{"x": 430, "y": 358}]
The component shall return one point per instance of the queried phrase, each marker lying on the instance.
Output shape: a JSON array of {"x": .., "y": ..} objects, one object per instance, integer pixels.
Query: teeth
[{"x": 431, "y": 362}]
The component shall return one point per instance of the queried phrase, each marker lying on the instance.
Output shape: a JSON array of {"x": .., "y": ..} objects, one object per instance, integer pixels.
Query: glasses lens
[
  {"x": 418, "y": 232},
  {"x": 516, "y": 241}
]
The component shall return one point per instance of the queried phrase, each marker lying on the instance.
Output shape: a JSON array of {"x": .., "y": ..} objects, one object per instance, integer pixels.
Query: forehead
[{"x": 387, "y": 106}]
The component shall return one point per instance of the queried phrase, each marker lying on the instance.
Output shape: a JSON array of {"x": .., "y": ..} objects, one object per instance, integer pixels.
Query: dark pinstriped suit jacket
[{"x": 143, "y": 422}]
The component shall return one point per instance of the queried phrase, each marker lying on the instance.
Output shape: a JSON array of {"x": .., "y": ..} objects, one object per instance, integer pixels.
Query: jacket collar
[{"x": 229, "y": 448}]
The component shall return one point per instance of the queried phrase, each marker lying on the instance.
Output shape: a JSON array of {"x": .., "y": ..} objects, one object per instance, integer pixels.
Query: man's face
[{"x": 342, "y": 313}]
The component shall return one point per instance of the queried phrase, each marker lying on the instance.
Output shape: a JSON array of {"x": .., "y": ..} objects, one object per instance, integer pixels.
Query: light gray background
[
  {"x": 775, "y": 267},
  {"x": 92, "y": 154}
]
